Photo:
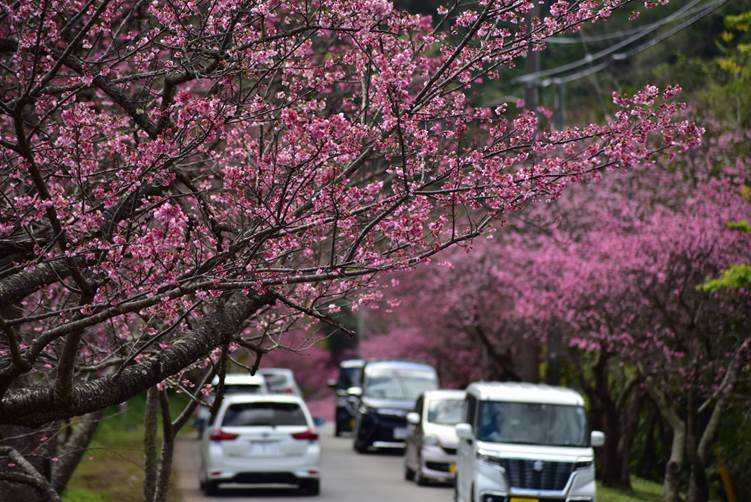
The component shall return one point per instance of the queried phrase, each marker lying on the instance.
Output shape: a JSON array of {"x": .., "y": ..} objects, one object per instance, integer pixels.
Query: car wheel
[
  {"x": 360, "y": 445},
  {"x": 419, "y": 478},
  {"x": 337, "y": 429},
  {"x": 210, "y": 488},
  {"x": 310, "y": 486},
  {"x": 409, "y": 474}
]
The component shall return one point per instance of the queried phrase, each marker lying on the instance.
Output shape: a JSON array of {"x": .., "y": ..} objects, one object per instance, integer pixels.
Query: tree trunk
[
  {"x": 672, "y": 481},
  {"x": 149, "y": 445},
  {"x": 72, "y": 450},
  {"x": 528, "y": 357},
  {"x": 632, "y": 410},
  {"x": 168, "y": 448}
]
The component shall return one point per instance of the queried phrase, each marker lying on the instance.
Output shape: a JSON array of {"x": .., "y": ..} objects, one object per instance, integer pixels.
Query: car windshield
[
  {"x": 264, "y": 413},
  {"x": 242, "y": 389},
  {"x": 349, "y": 377},
  {"x": 532, "y": 423},
  {"x": 398, "y": 383},
  {"x": 275, "y": 379},
  {"x": 445, "y": 411}
]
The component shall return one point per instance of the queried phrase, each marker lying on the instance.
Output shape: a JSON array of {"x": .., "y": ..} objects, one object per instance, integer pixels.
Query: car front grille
[
  {"x": 438, "y": 466},
  {"x": 448, "y": 451},
  {"x": 536, "y": 474}
]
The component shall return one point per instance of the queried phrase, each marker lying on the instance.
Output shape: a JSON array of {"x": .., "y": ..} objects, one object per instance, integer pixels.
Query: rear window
[
  {"x": 264, "y": 413},
  {"x": 242, "y": 389},
  {"x": 276, "y": 380}
]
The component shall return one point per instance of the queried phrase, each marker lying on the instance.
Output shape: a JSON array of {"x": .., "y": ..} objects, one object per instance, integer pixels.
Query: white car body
[
  {"x": 234, "y": 383},
  {"x": 281, "y": 381},
  {"x": 285, "y": 452},
  {"x": 496, "y": 466},
  {"x": 430, "y": 454}
]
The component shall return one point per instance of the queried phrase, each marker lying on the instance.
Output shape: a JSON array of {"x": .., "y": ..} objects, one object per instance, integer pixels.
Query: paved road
[{"x": 346, "y": 477}]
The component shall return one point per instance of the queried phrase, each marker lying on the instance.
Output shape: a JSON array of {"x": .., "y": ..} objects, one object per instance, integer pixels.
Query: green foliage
[
  {"x": 735, "y": 277},
  {"x": 82, "y": 495},
  {"x": 641, "y": 491},
  {"x": 112, "y": 467}
]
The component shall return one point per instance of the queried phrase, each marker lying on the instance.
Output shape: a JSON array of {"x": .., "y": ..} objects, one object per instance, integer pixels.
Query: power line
[{"x": 678, "y": 14}]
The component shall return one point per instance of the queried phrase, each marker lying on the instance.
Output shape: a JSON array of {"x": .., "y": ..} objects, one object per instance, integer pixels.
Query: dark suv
[
  {"x": 349, "y": 376},
  {"x": 388, "y": 392}
]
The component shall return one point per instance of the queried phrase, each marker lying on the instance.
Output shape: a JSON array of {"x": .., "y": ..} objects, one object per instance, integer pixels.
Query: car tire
[
  {"x": 210, "y": 488},
  {"x": 337, "y": 429},
  {"x": 360, "y": 445},
  {"x": 420, "y": 480},
  {"x": 310, "y": 487},
  {"x": 409, "y": 474}
]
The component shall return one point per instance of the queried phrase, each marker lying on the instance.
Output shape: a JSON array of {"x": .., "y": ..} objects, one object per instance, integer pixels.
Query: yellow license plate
[
  {"x": 519, "y": 499},
  {"x": 352, "y": 424},
  {"x": 452, "y": 469}
]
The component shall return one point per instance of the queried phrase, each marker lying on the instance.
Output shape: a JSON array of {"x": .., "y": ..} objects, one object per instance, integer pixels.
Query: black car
[
  {"x": 388, "y": 392},
  {"x": 349, "y": 376}
]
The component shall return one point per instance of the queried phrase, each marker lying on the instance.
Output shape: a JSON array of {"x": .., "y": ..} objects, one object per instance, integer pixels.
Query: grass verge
[
  {"x": 642, "y": 490},
  {"x": 112, "y": 468}
]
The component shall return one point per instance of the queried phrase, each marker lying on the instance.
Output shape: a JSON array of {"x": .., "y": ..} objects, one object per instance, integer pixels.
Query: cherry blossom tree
[
  {"x": 628, "y": 292},
  {"x": 614, "y": 266},
  {"x": 183, "y": 179}
]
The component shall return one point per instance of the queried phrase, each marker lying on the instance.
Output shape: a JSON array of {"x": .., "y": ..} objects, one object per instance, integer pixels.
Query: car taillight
[
  {"x": 220, "y": 435},
  {"x": 307, "y": 435}
]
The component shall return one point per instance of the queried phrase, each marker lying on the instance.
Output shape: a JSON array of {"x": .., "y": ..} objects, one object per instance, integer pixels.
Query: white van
[{"x": 525, "y": 443}]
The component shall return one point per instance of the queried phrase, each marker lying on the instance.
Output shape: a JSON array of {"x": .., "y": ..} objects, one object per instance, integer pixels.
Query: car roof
[
  {"x": 524, "y": 393},
  {"x": 240, "y": 379},
  {"x": 399, "y": 364},
  {"x": 277, "y": 371},
  {"x": 444, "y": 394},
  {"x": 267, "y": 398}
]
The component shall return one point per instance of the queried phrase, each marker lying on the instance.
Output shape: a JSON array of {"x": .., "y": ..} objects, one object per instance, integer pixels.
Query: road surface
[{"x": 346, "y": 477}]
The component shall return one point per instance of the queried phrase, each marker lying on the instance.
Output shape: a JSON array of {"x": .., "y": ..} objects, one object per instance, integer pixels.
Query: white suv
[
  {"x": 261, "y": 440},
  {"x": 525, "y": 441}
]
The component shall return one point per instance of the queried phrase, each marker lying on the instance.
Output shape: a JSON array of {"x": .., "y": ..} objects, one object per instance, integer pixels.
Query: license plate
[
  {"x": 520, "y": 499},
  {"x": 452, "y": 469},
  {"x": 264, "y": 448},
  {"x": 400, "y": 433},
  {"x": 351, "y": 424}
]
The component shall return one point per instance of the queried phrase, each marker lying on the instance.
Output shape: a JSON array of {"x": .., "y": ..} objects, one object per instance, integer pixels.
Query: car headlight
[
  {"x": 583, "y": 463},
  {"x": 489, "y": 459},
  {"x": 430, "y": 440}
]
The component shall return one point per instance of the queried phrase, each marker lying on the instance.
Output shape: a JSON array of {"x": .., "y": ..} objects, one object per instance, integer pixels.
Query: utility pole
[{"x": 532, "y": 64}]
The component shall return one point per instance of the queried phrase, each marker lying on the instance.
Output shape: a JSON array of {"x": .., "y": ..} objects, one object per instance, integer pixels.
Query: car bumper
[
  {"x": 380, "y": 431},
  {"x": 492, "y": 487},
  {"x": 437, "y": 464},
  {"x": 265, "y": 470}
]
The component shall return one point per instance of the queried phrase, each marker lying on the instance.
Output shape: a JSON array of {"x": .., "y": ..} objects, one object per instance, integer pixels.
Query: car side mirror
[
  {"x": 354, "y": 391},
  {"x": 464, "y": 431},
  {"x": 331, "y": 383},
  {"x": 413, "y": 418},
  {"x": 597, "y": 438}
]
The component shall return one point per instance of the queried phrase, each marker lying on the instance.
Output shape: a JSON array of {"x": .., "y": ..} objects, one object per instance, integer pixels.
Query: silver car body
[{"x": 430, "y": 453}]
